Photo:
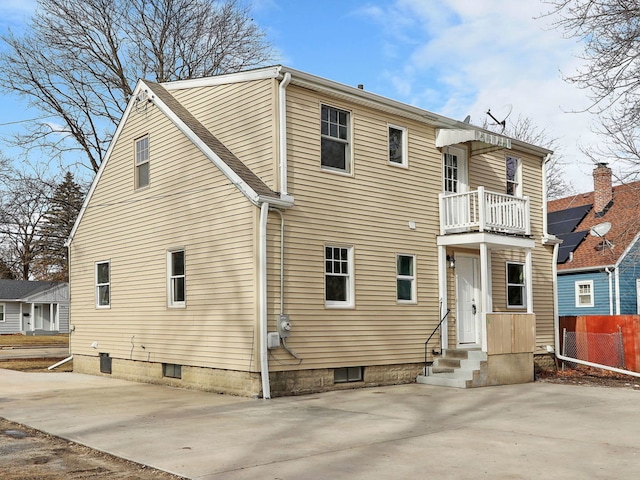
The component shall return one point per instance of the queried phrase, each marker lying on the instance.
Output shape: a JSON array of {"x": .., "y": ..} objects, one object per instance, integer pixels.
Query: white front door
[{"x": 468, "y": 306}]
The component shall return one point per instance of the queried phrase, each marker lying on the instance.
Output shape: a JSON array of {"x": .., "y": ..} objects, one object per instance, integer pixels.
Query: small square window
[
  {"x": 171, "y": 370},
  {"x": 584, "y": 293},
  {"x": 398, "y": 146},
  {"x": 348, "y": 374},
  {"x": 515, "y": 285}
]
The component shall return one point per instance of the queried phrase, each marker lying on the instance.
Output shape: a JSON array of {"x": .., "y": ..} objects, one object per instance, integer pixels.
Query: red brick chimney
[{"x": 602, "y": 189}]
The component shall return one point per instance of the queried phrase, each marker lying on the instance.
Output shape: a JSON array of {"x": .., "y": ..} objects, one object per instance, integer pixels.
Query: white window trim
[
  {"x": 580, "y": 283},
  {"x": 136, "y": 164},
  {"x": 350, "y": 302},
  {"x": 518, "y": 182},
  {"x": 405, "y": 147},
  {"x": 412, "y": 278},
  {"x": 523, "y": 285},
  {"x": 97, "y": 285},
  {"x": 170, "y": 302},
  {"x": 348, "y": 171},
  {"x": 3, "y": 319}
]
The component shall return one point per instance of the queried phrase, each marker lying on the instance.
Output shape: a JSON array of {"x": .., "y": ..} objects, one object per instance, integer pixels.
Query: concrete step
[{"x": 442, "y": 381}]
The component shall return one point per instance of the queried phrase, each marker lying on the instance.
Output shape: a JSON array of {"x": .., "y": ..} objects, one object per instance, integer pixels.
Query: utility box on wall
[{"x": 105, "y": 363}]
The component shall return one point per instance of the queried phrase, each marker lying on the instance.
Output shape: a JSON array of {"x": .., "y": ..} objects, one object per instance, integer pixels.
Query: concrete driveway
[{"x": 410, "y": 431}]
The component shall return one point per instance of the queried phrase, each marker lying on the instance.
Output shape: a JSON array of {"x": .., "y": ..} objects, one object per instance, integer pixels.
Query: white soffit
[{"x": 450, "y": 136}]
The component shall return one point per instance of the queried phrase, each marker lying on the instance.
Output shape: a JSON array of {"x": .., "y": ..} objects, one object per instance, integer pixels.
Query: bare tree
[
  {"x": 524, "y": 129},
  {"x": 23, "y": 203},
  {"x": 610, "y": 33},
  {"x": 79, "y": 61}
]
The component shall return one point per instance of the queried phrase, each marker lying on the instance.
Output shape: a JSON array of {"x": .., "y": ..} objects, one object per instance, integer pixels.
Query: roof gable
[{"x": 592, "y": 251}]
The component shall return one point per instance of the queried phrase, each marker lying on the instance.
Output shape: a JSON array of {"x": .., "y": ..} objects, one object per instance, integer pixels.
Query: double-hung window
[
  {"x": 142, "y": 162},
  {"x": 406, "y": 278},
  {"x": 176, "y": 278},
  {"x": 2, "y": 312},
  {"x": 584, "y": 293},
  {"x": 335, "y": 139},
  {"x": 103, "y": 284},
  {"x": 398, "y": 146},
  {"x": 513, "y": 170},
  {"x": 516, "y": 288},
  {"x": 338, "y": 276}
]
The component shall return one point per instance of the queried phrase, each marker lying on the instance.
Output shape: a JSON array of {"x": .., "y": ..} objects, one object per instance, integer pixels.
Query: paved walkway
[{"x": 410, "y": 431}]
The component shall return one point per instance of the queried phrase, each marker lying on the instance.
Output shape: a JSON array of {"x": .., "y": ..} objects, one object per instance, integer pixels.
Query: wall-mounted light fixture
[{"x": 452, "y": 261}]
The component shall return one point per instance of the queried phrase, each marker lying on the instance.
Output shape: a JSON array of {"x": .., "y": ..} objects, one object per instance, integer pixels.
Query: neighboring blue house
[
  {"x": 599, "y": 260},
  {"x": 34, "y": 308}
]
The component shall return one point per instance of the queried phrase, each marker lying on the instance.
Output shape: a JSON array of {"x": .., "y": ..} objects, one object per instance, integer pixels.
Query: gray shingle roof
[
  {"x": 18, "y": 289},
  {"x": 250, "y": 178}
]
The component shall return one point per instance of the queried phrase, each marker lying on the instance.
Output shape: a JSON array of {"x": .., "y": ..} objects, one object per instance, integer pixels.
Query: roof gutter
[{"x": 282, "y": 124}]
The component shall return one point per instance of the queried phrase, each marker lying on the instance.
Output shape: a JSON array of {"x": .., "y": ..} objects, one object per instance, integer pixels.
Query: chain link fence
[{"x": 603, "y": 348}]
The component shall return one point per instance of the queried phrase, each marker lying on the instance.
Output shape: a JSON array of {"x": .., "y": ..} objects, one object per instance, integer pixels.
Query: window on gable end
[
  {"x": 103, "y": 284},
  {"x": 142, "y": 162}
]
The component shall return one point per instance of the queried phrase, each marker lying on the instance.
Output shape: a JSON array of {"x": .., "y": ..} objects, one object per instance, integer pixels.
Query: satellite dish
[
  {"x": 467, "y": 119},
  {"x": 504, "y": 114},
  {"x": 601, "y": 229}
]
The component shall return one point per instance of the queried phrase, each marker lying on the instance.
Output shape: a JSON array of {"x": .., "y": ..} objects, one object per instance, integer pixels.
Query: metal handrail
[{"x": 431, "y": 336}]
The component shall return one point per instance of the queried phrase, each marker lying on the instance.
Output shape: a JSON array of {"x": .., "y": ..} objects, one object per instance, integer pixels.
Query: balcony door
[{"x": 454, "y": 170}]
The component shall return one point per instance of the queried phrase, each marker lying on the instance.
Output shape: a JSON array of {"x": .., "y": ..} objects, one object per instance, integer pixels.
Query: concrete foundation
[
  {"x": 509, "y": 369},
  {"x": 248, "y": 384}
]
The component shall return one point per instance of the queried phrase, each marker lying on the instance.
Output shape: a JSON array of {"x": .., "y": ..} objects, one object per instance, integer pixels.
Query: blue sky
[{"x": 452, "y": 57}]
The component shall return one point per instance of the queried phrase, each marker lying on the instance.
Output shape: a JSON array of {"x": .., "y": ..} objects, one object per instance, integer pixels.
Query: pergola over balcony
[{"x": 484, "y": 211}]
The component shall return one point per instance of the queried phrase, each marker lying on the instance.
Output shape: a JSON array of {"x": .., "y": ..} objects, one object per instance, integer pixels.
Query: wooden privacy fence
[{"x": 627, "y": 326}]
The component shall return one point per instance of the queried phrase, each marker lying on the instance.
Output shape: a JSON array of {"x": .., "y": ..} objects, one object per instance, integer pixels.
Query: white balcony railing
[{"x": 481, "y": 210}]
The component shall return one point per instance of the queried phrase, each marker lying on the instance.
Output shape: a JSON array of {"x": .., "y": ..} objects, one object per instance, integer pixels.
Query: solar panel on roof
[
  {"x": 570, "y": 242},
  {"x": 565, "y": 221}
]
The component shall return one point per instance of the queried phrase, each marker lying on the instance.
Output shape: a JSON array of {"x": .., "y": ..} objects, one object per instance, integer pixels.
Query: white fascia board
[
  {"x": 210, "y": 154},
  {"x": 627, "y": 250},
  {"x": 596, "y": 268},
  {"x": 246, "y": 76},
  {"x": 139, "y": 87}
]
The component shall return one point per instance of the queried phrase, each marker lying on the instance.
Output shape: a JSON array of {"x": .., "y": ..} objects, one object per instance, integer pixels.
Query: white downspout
[
  {"x": 556, "y": 327},
  {"x": 616, "y": 273},
  {"x": 262, "y": 301},
  {"x": 282, "y": 128},
  {"x": 609, "y": 272}
]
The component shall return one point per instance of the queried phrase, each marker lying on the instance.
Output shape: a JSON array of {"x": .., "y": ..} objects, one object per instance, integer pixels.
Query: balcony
[{"x": 484, "y": 211}]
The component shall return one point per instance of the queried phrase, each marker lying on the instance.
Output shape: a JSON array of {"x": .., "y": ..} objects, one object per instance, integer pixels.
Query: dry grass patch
[
  {"x": 36, "y": 364},
  {"x": 19, "y": 340}
]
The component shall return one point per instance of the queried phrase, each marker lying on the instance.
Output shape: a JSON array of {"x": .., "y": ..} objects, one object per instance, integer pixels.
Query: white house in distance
[
  {"x": 271, "y": 232},
  {"x": 34, "y": 308}
]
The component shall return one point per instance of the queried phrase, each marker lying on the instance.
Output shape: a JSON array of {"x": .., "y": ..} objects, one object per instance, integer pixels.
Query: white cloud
[{"x": 466, "y": 57}]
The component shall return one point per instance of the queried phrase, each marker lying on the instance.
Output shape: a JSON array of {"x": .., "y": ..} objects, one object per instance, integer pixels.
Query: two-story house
[{"x": 271, "y": 232}]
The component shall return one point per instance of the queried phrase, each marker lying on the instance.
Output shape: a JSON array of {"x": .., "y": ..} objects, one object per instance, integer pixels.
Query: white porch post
[
  {"x": 32, "y": 318},
  {"x": 529, "y": 280},
  {"x": 442, "y": 294},
  {"x": 485, "y": 284}
]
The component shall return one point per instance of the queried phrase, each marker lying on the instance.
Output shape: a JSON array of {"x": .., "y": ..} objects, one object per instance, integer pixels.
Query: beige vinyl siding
[
  {"x": 242, "y": 117},
  {"x": 189, "y": 204},
  {"x": 489, "y": 171},
  {"x": 368, "y": 210}
]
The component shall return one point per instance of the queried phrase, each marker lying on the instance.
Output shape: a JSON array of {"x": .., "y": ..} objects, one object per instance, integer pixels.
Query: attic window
[{"x": 142, "y": 162}]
